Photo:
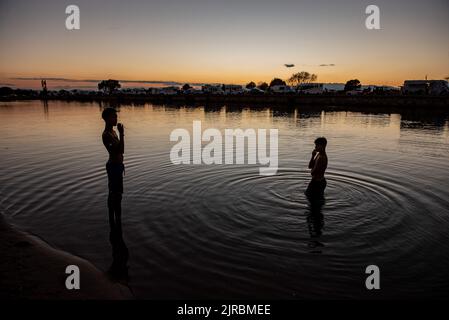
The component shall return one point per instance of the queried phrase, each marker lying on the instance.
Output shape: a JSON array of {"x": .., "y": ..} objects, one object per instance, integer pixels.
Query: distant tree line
[
  {"x": 353, "y": 85},
  {"x": 109, "y": 86},
  {"x": 302, "y": 77}
]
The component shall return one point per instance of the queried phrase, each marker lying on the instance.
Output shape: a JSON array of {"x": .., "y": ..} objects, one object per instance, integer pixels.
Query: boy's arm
[
  {"x": 111, "y": 144},
  {"x": 318, "y": 166},
  {"x": 312, "y": 160},
  {"x": 121, "y": 131},
  {"x": 122, "y": 143}
]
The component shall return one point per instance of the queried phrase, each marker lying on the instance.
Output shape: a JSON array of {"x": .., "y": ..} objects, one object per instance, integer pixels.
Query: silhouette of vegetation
[
  {"x": 4, "y": 91},
  {"x": 353, "y": 85},
  {"x": 251, "y": 85},
  {"x": 302, "y": 77},
  {"x": 109, "y": 86},
  {"x": 263, "y": 86},
  {"x": 186, "y": 87},
  {"x": 277, "y": 82}
]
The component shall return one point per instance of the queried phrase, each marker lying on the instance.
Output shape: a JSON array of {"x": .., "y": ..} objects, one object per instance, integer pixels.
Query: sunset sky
[{"x": 223, "y": 41}]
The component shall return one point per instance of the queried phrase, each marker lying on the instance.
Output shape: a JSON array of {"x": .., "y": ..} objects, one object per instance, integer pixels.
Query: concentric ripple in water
[{"x": 224, "y": 231}]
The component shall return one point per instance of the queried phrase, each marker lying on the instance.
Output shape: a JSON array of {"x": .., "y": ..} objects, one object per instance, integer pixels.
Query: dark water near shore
[{"x": 217, "y": 231}]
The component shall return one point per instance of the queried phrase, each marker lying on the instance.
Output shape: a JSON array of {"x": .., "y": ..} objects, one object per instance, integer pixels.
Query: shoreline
[
  {"x": 32, "y": 269},
  {"x": 361, "y": 102}
]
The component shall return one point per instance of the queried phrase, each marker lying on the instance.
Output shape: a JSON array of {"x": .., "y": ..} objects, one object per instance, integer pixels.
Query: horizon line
[{"x": 62, "y": 79}]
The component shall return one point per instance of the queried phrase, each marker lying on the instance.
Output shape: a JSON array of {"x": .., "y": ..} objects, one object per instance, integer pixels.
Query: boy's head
[
  {"x": 109, "y": 116},
  {"x": 320, "y": 144}
]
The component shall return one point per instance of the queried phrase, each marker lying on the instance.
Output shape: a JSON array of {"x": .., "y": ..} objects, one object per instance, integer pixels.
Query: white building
[
  {"x": 212, "y": 89},
  {"x": 154, "y": 91},
  {"x": 355, "y": 92},
  {"x": 232, "y": 89},
  {"x": 438, "y": 87},
  {"x": 192, "y": 91},
  {"x": 133, "y": 90},
  {"x": 433, "y": 87},
  {"x": 415, "y": 86},
  {"x": 169, "y": 91},
  {"x": 311, "y": 88},
  {"x": 281, "y": 89}
]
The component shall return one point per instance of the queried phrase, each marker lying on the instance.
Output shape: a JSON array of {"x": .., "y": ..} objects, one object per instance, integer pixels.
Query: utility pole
[{"x": 44, "y": 87}]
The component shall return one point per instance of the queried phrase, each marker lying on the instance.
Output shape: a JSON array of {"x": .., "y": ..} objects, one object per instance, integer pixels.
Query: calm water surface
[{"x": 224, "y": 231}]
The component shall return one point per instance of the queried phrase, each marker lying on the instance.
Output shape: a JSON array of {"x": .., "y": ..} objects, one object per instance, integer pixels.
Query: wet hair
[
  {"x": 107, "y": 112},
  {"x": 321, "y": 141}
]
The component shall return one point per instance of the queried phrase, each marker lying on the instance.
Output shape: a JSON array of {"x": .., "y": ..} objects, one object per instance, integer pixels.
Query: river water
[{"x": 225, "y": 231}]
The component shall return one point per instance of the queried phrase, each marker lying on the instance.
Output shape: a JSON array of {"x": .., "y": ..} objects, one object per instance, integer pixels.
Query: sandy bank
[{"x": 31, "y": 269}]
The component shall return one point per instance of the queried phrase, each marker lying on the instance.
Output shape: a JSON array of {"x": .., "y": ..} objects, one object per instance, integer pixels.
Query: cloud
[{"x": 327, "y": 65}]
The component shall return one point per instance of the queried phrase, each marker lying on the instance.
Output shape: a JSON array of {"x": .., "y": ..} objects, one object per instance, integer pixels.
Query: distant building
[
  {"x": 169, "y": 91},
  {"x": 255, "y": 91},
  {"x": 212, "y": 89},
  {"x": 432, "y": 87},
  {"x": 355, "y": 92},
  {"x": 438, "y": 87},
  {"x": 133, "y": 90},
  {"x": 281, "y": 89},
  {"x": 415, "y": 87},
  {"x": 385, "y": 90},
  {"x": 232, "y": 89},
  {"x": 310, "y": 88},
  {"x": 192, "y": 91},
  {"x": 154, "y": 91}
]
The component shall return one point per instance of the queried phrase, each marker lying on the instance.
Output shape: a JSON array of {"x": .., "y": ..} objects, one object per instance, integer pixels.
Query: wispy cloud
[{"x": 327, "y": 65}]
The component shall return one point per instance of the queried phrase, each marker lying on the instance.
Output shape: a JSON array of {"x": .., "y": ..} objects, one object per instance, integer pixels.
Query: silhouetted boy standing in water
[
  {"x": 114, "y": 167},
  {"x": 318, "y": 164}
]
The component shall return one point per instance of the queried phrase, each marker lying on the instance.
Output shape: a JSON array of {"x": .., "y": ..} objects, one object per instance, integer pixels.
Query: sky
[{"x": 209, "y": 41}]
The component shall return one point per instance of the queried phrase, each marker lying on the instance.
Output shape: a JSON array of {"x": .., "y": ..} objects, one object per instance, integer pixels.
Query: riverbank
[
  {"x": 360, "y": 102},
  {"x": 32, "y": 269}
]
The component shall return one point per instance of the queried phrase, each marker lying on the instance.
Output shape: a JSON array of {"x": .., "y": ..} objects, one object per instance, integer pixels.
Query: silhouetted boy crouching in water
[
  {"x": 318, "y": 164},
  {"x": 114, "y": 167}
]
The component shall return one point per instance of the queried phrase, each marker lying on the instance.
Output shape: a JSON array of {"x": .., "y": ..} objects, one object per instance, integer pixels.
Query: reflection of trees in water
[
  {"x": 306, "y": 115},
  {"x": 421, "y": 120},
  {"x": 283, "y": 112},
  {"x": 410, "y": 119},
  {"x": 213, "y": 108},
  {"x": 234, "y": 108}
]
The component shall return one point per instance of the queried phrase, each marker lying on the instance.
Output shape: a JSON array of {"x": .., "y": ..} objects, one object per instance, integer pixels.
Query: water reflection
[
  {"x": 193, "y": 230},
  {"x": 315, "y": 223},
  {"x": 118, "y": 270},
  {"x": 45, "y": 106}
]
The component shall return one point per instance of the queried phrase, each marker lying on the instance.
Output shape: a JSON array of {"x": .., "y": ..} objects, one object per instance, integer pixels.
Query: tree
[
  {"x": 5, "y": 91},
  {"x": 447, "y": 78},
  {"x": 186, "y": 87},
  {"x": 263, "y": 86},
  {"x": 302, "y": 77},
  {"x": 109, "y": 86},
  {"x": 250, "y": 85},
  {"x": 353, "y": 85},
  {"x": 277, "y": 82}
]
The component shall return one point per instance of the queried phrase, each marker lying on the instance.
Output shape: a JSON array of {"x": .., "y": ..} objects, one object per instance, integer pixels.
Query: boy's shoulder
[
  {"x": 107, "y": 134},
  {"x": 322, "y": 156}
]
